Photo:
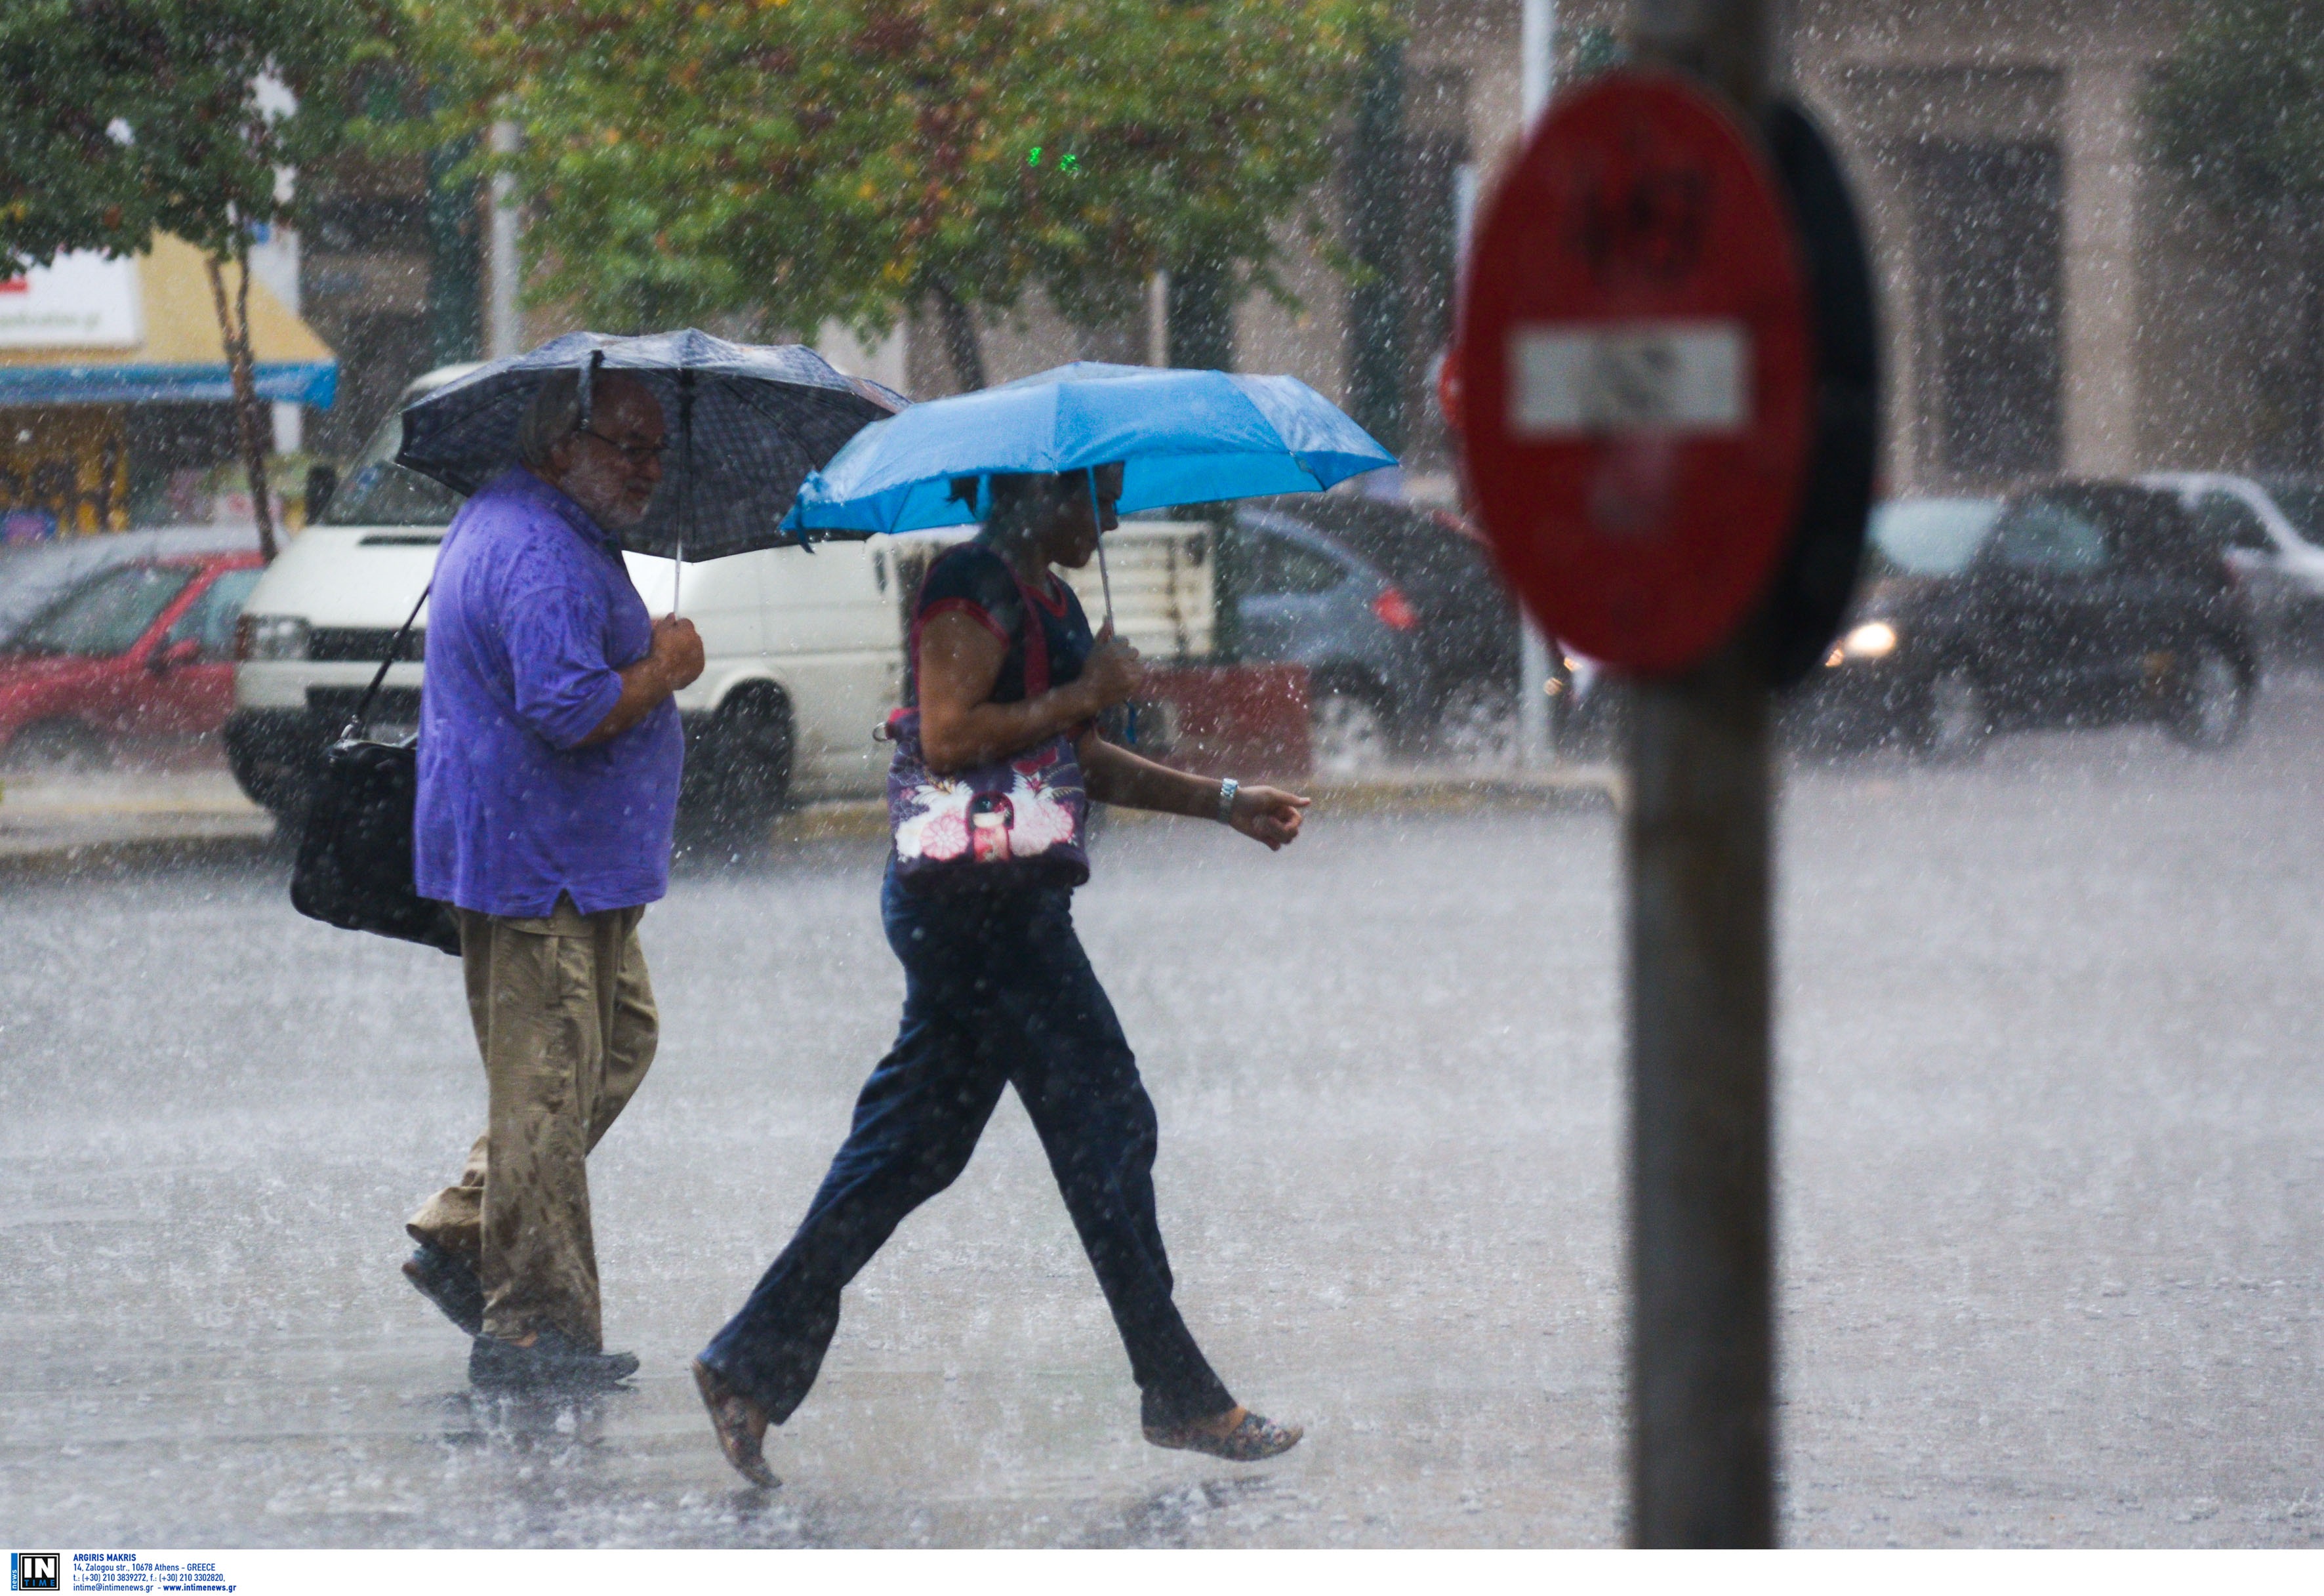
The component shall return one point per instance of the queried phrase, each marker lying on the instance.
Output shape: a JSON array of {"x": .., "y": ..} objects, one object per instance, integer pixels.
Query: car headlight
[
  {"x": 1874, "y": 639},
  {"x": 269, "y": 637}
]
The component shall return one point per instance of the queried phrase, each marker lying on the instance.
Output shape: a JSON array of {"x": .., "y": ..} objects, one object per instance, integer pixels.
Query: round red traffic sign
[{"x": 1636, "y": 371}]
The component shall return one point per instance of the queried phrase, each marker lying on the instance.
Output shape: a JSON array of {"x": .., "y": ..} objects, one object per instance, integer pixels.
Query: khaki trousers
[{"x": 565, "y": 1019}]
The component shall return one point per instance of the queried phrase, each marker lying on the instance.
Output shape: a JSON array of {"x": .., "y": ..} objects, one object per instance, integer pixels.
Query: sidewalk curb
[
  {"x": 852, "y": 820},
  {"x": 120, "y": 855}
]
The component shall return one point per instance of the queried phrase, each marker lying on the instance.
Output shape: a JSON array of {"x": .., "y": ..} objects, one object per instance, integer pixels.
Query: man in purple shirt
[{"x": 549, "y": 757}]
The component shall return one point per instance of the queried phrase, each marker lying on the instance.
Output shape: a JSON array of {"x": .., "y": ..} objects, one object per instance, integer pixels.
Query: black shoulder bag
[{"x": 354, "y": 857}]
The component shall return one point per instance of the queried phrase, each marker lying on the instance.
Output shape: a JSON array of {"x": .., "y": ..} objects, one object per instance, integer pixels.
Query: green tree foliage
[
  {"x": 2238, "y": 115},
  {"x": 2240, "y": 109},
  {"x": 123, "y": 118},
  {"x": 802, "y": 159}
]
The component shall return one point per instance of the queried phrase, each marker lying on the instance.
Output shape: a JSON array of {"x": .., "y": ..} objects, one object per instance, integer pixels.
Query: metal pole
[
  {"x": 504, "y": 316},
  {"x": 1537, "y": 42},
  {"x": 1696, "y": 842},
  {"x": 1537, "y": 45}
]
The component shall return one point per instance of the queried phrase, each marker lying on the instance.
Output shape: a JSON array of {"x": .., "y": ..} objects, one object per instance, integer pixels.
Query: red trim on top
[
  {"x": 1049, "y": 583},
  {"x": 1036, "y": 640},
  {"x": 972, "y": 610},
  {"x": 948, "y": 606}
]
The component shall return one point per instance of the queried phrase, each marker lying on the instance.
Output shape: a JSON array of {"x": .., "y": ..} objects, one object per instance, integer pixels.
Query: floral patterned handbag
[{"x": 1016, "y": 822}]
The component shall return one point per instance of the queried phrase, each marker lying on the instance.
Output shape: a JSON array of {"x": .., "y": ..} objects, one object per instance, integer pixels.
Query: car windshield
[
  {"x": 209, "y": 619},
  {"x": 2302, "y": 504},
  {"x": 1411, "y": 546},
  {"x": 2049, "y": 535},
  {"x": 1275, "y": 566},
  {"x": 106, "y": 616},
  {"x": 379, "y": 492},
  {"x": 1931, "y": 537}
]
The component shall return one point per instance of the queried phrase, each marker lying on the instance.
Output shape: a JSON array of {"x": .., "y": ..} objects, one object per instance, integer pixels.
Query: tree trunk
[
  {"x": 962, "y": 347},
  {"x": 250, "y": 416},
  {"x": 1200, "y": 315}
]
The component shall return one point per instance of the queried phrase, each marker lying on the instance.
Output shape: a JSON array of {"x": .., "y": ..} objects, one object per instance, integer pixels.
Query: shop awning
[{"x": 166, "y": 348}]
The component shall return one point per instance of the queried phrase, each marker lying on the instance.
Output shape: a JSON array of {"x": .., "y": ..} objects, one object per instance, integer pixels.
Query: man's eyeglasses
[{"x": 636, "y": 453}]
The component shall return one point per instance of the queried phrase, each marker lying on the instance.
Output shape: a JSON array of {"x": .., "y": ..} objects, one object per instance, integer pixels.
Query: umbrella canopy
[
  {"x": 1183, "y": 437},
  {"x": 747, "y": 422}
]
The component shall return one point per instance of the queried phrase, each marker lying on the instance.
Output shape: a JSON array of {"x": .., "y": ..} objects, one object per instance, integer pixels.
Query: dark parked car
[
  {"x": 1871, "y": 689},
  {"x": 2086, "y": 603},
  {"x": 1396, "y": 612}
]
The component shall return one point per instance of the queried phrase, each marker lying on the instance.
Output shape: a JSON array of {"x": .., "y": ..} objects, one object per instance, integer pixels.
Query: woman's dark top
[{"x": 971, "y": 579}]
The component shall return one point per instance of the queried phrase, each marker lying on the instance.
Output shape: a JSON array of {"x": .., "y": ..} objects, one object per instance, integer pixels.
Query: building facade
[{"x": 2054, "y": 300}]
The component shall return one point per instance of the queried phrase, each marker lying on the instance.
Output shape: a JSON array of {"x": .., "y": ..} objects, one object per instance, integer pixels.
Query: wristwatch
[{"x": 1228, "y": 788}]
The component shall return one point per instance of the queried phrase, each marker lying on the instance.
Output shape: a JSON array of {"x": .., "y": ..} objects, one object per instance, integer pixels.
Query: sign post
[
  {"x": 1696, "y": 843},
  {"x": 1639, "y": 378}
]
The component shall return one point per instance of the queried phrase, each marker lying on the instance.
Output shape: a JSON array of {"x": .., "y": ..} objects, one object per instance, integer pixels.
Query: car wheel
[
  {"x": 1347, "y": 731},
  {"x": 745, "y": 763},
  {"x": 2211, "y": 698},
  {"x": 57, "y": 748},
  {"x": 1954, "y": 721},
  {"x": 1477, "y": 726}
]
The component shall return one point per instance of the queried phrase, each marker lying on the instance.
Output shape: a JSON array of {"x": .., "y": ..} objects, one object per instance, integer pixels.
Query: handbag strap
[{"x": 359, "y": 723}]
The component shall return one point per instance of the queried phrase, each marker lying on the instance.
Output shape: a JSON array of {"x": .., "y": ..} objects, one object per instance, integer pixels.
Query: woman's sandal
[
  {"x": 731, "y": 1416},
  {"x": 1254, "y": 1440}
]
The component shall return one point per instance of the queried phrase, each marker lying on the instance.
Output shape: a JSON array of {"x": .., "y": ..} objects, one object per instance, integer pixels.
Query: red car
[{"x": 139, "y": 653}]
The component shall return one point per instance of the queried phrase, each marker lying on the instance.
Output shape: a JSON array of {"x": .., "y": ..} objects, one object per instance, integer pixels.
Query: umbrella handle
[
  {"x": 1106, "y": 581},
  {"x": 1097, "y": 519},
  {"x": 685, "y": 478}
]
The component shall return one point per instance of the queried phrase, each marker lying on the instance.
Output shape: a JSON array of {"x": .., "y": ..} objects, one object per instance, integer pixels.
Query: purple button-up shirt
[{"x": 532, "y": 615}]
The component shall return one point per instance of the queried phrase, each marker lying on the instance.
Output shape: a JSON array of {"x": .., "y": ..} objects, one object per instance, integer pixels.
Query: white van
[{"x": 805, "y": 648}]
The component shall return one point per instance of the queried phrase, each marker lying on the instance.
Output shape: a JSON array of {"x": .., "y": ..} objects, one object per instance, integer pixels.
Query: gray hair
[{"x": 553, "y": 416}]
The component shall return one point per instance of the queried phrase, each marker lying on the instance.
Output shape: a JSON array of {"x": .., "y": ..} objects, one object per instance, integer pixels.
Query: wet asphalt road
[{"x": 2051, "y": 1162}]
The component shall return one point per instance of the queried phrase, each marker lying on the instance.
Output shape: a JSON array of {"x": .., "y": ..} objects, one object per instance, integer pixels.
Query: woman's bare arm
[
  {"x": 1117, "y": 776},
  {"x": 959, "y": 663}
]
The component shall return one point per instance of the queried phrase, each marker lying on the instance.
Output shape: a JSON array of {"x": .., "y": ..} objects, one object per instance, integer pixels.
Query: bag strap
[{"x": 359, "y": 723}]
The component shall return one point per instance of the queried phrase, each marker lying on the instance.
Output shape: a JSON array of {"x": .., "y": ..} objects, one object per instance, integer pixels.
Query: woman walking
[{"x": 998, "y": 991}]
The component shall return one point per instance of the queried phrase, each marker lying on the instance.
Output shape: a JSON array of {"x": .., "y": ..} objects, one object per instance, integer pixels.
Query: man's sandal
[
  {"x": 731, "y": 1417},
  {"x": 1254, "y": 1440}
]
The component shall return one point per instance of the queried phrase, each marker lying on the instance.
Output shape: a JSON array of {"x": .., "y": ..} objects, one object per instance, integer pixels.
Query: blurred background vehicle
[
  {"x": 1877, "y": 682},
  {"x": 136, "y": 655},
  {"x": 32, "y": 576},
  {"x": 2273, "y": 529},
  {"x": 1407, "y": 635},
  {"x": 2085, "y": 604}
]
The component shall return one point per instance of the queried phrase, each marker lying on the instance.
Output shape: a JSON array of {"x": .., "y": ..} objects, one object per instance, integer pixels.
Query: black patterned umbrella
[{"x": 747, "y": 422}]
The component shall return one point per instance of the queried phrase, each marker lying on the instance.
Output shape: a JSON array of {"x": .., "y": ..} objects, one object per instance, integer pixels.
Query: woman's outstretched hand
[{"x": 1269, "y": 815}]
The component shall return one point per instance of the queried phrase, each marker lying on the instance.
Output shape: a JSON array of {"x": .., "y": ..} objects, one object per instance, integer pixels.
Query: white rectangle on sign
[
  {"x": 1638, "y": 377},
  {"x": 85, "y": 301}
]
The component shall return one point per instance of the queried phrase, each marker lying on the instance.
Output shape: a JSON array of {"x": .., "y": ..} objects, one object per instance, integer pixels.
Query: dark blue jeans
[{"x": 997, "y": 991}]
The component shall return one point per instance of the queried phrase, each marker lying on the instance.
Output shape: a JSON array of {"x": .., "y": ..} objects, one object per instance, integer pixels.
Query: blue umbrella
[
  {"x": 1182, "y": 437},
  {"x": 747, "y": 422}
]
